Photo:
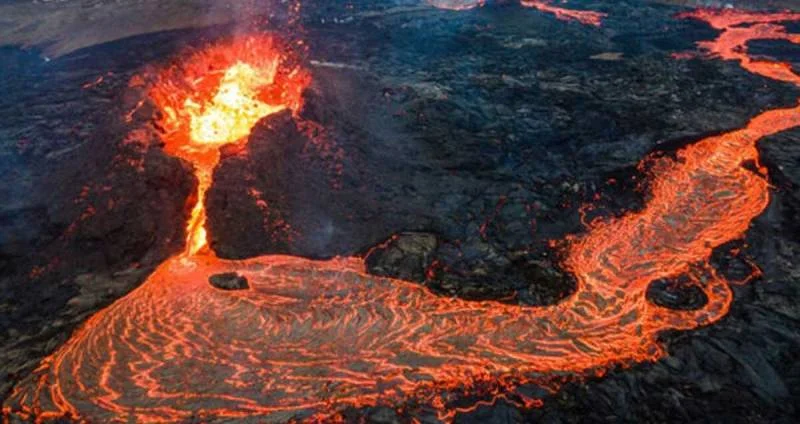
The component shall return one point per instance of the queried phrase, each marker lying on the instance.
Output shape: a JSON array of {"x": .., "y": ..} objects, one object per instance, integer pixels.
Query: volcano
[{"x": 441, "y": 211}]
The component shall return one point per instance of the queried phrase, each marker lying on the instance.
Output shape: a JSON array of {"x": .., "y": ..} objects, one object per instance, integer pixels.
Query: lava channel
[
  {"x": 311, "y": 338},
  {"x": 585, "y": 17}
]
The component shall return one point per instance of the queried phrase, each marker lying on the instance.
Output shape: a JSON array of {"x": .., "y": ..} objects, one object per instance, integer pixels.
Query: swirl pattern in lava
[{"x": 311, "y": 338}]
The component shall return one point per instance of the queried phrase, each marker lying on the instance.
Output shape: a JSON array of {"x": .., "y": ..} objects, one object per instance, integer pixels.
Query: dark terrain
[{"x": 467, "y": 140}]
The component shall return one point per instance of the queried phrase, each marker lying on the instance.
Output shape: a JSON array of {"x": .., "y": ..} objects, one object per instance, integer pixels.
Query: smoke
[{"x": 246, "y": 14}]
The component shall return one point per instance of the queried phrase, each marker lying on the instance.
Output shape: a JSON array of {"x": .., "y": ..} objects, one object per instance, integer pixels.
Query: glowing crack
[{"x": 311, "y": 338}]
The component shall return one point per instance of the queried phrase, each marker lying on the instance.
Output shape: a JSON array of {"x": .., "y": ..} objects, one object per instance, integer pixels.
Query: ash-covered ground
[{"x": 468, "y": 140}]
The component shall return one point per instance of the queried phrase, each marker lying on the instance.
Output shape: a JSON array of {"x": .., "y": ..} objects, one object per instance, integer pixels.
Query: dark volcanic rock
[
  {"x": 547, "y": 283},
  {"x": 229, "y": 281},
  {"x": 245, "y": 215},
  {"x": 488, "y": 128},
  {"x": 489, "y": 138},
  {"x": 676, "y": 295},
  {"x": 405, "y": 256},
  {"x": 91, "y": 203}
]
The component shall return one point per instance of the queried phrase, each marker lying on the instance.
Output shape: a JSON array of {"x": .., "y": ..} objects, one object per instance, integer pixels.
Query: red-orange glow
[
  {"x": 235, "y": 108},
  {"x": 312, "y": 337},
  {"x": 214, "y": 97},
  {"x": 586, "y": 17},
  {"x": 732, "y": 43}
]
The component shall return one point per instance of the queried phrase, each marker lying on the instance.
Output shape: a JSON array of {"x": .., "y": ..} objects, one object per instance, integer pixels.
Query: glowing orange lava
[
  {"x": 215, "y": 97},
  {"x": 586, "y": 17},
  {"x": 311, "y": 338},
  {"x": 732, "y": 44}
]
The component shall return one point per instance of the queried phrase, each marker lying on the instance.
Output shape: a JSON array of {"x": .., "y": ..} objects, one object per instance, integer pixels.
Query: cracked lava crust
[{"x": 310, "y": 338}]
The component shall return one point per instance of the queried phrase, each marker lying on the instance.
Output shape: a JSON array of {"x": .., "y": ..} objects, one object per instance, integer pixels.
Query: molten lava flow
[
  {"x": 235, "y": 108},
  {"x": 311, "y": 338},
  {"x": 583, "y": 16},
  {"x": 732, "y": 44},
  {"x": 215, "y": 97}
]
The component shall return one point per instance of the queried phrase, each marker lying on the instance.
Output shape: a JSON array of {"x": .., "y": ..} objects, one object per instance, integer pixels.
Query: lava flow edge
[{"x": 324, "y": 335}]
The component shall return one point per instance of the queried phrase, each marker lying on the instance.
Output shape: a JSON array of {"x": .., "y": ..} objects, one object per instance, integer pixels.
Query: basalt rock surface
[
  {"x": 488, "y": 129},
  {"x": 91, "y": 203},
  {"x": 229, "y": 281},
  {"x": 406, "y": 256}
]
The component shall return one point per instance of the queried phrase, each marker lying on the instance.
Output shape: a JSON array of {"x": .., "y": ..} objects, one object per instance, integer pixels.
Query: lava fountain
[
  {"x": 311, "y": 338},
  {"x": 215, "y": 97}
]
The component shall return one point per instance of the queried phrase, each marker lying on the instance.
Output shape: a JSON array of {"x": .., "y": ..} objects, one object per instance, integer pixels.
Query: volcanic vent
[
  {"x": 307, "y": 340},
  {"x": 214, "y": 97}
]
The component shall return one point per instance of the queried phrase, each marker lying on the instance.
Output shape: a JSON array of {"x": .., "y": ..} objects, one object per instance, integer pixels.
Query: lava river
[{"x": 310, "y": 338}]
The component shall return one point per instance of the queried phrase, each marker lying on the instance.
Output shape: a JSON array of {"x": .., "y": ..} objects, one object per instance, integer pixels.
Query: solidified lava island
[{"x": 310, "y": 339}]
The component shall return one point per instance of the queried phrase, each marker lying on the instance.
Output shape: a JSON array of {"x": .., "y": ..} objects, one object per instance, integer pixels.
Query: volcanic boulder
[
  {"x": 405, "y": 256},
  {"x": 229, "y": 281},
  {"x": 674, "y": 295}
]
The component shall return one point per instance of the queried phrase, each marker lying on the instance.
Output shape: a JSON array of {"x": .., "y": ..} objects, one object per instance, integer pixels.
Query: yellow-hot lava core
[
  {"x": 309, "y": 339},
  {"x": 235, "y": 108},
  {"x": 216, "y": 96}
]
